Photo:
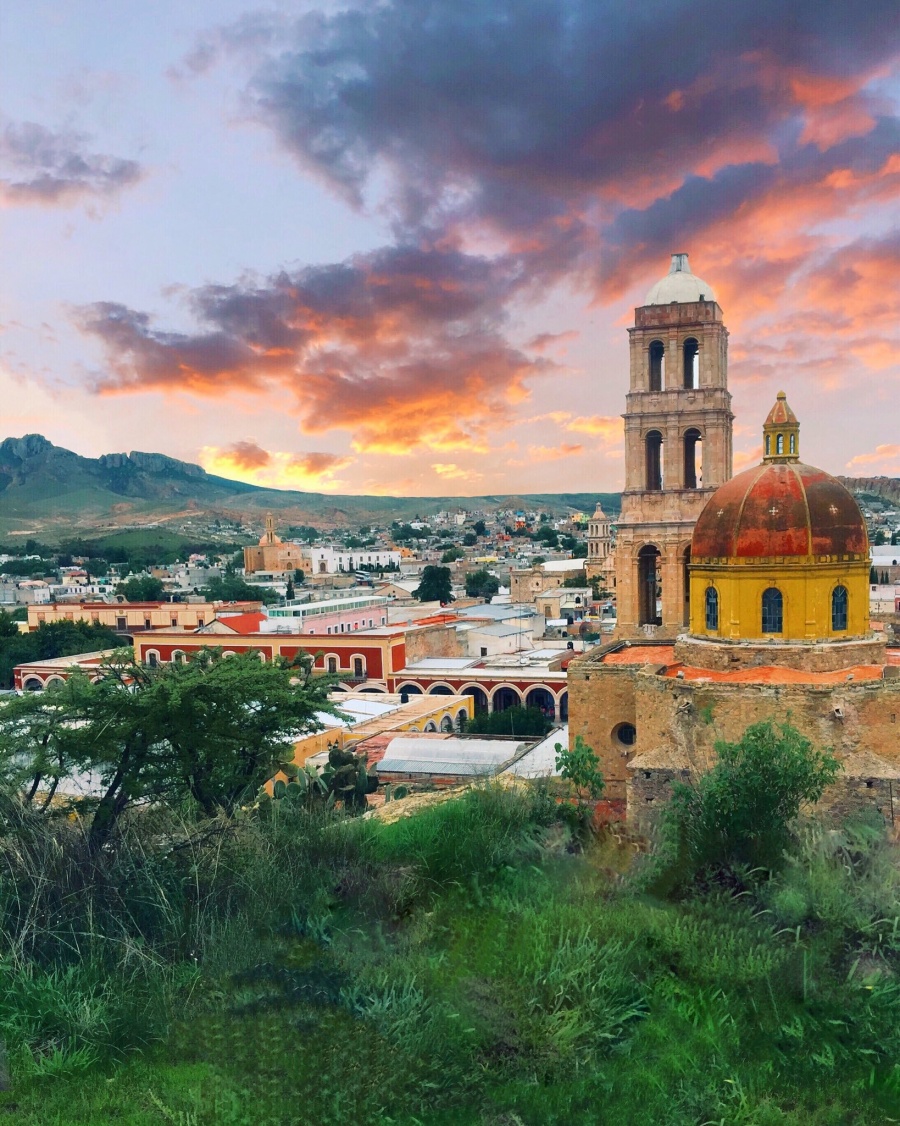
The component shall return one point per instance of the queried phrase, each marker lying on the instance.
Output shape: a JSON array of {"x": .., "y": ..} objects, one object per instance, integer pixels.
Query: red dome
[{"x": 780, "y": 509}]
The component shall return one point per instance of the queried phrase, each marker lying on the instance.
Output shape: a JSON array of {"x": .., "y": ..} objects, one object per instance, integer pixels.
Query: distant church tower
[
  {"x": 599, "y": 542},
  {"x": 678, "y": 448}
]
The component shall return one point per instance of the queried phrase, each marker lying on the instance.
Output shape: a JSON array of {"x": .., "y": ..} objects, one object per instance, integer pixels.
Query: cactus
[{"x": 344, "y": 778}]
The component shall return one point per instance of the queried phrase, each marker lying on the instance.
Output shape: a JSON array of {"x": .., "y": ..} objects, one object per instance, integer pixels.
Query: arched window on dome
[
  {"x": 657, "y": 365},
  {"x": 779, "y": 444},
  {"x": 712, "y": 608},
  {"x": 839, "y": 606},
  {"x": 690, "y": 352},
  {"x": 654, "y": 448},
  {"x": 772, "y": 610},
  {"x": 768, "y": 444},
  {"x": 792, "y": 442}
]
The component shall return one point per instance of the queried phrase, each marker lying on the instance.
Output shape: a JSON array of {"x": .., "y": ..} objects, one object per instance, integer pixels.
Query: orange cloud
[
  {"x": 554, "y": 453},
  {"x": 246, "y": 461},
  {"x": 610, "y": 429},
  {"x": 886, "y": 457}
]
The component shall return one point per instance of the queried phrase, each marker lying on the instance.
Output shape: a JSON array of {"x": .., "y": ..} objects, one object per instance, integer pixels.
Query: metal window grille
[
  {"x": 772, "y": 611},
  {"x": 712, "y": 608},
  {"x": 839, "y": 608}
]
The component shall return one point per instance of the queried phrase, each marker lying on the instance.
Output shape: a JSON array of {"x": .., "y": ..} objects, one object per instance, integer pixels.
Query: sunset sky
[{"x": 394, "y": 247}]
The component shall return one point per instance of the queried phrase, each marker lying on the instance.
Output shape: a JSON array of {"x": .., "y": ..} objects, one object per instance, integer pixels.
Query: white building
[{"x": 335, "y": 561}]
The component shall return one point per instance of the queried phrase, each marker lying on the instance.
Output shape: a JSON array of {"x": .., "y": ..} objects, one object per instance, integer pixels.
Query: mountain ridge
[{"x": 49, "y": 487}]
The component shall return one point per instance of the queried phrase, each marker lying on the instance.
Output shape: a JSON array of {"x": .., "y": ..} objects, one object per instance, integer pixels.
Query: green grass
[{"x": 467, "y": 965}]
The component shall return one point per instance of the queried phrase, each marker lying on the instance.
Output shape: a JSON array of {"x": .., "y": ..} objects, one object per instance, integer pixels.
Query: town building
[{"x": 137, "y": 617}]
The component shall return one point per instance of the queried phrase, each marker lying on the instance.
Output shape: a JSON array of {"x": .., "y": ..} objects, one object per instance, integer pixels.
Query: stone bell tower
[{"x": 678, "y": 448}]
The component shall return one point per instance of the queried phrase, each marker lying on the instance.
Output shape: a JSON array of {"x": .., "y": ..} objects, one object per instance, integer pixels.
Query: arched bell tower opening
[
  {"x": 678, "y": 445},
  {"x": 693, "y": 458},
  {"x": 653, "y": 444},
  {"x": 649, "y": 581}
]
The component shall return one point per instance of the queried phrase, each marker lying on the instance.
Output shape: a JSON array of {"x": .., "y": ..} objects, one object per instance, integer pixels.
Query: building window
[
  {"x": 768, "y": 444},
  {"x": 332, "y": 664},
  {"x": 772, "y": 611},
  {"x": 779, "y": 444},
  {"x": 839, "y": 602},
  {"x": 358, "y": 670},
  {"x": 626, "y": 734},
  {"x": 712, "y": 608},
  {"x": 793, "y": 443}
]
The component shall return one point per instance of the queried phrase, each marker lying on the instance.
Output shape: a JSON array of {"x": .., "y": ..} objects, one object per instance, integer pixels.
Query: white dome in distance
[{"x": 680, "y": 285}]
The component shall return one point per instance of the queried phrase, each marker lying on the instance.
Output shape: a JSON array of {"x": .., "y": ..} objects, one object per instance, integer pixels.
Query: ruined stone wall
[
  {"x": 599, "y": 703},
  {"x": 434, "y": 641},
  {"x": 692, "y": 717}
]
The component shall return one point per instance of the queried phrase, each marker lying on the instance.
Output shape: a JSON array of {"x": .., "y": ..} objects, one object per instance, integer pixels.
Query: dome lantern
[{"x": 781, "y": 433}]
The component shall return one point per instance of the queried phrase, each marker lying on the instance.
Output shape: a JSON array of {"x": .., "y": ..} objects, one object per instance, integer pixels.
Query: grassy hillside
[{"x": 468, "y": 965}]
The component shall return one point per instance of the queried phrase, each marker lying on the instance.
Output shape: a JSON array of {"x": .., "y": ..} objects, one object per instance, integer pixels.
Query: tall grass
[{"x": 453, "y": 967}]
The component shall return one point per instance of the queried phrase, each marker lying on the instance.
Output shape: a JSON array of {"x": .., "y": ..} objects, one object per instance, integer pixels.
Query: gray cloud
[{"x": 40, "y": 167}]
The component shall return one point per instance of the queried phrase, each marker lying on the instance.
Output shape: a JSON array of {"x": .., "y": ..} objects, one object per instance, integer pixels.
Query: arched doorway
[
  {"x": 439, "y": 690},
  {"x": 543, "y": 700},
  {"x": 506, "y": 697},
  {"x": 649, "y": 581},
  {"x": 479, "y": 696}
]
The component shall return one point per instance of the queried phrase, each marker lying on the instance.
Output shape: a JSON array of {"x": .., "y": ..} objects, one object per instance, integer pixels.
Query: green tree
[
  {"x": 740, "y": 813},
  {"x": 142, "y": 588},
  {"x": 575, "y": 578},
  {"x": 482, "y": 584},
  {"x": 518, "y": 721},
  {"x": 434, "y": 586},
  {"x": 231, "y": 588},
  {"x": 211, "y": 730},
  {"x": 289, "y": 590},
  {"x": 452, "y": 554},
  {"x": 580, "y": 767},
  {"x": 470, "y": 539},
  {"x": 881, "y": 537},
  {"x": 49, "y": 640},
  {"x": 479, "y": 528}
]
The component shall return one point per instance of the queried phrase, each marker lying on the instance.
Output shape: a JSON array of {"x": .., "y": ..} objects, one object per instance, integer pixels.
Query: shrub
[{"x": 740, "y": 813}]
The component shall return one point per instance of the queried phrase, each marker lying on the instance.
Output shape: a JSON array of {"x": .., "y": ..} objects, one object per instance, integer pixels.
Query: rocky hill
[{"x": 47, "y": 490}]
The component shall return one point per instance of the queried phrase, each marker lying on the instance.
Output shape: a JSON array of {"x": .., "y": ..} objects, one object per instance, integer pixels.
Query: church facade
[{"x": 767, "y": 612}]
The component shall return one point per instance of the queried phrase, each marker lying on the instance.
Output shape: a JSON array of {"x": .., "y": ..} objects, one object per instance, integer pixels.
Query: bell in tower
[{"x": 678, "y": 447}]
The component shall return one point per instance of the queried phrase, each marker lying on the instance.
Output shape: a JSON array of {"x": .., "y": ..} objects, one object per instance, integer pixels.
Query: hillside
[{"x": 51, "y": 491}]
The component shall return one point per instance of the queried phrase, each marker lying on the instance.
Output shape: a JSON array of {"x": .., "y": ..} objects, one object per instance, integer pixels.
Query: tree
[
  {"x": 479, "y": 528},
  {"x": 518, "y": 721},
  {"x": 580, "y": 767},
  {"x": 230, "y": 588},
  {"x": 452, "y": 554},
  {"x": 470, "y": 539},
  {"x": 142, "y": 588},
  {"x": 575, "y": 578},
  {"x": 289, "y": 590},
  {"x": 434, "y": 586},
  {"x": 211, "y": 730},
  {"x": 739, "y": 813},
  {"x": 482, "y": 584},
  {"x": 49, "y": 640},
  {"x": 881, "y": 537},
  {"x": 299, "y": 576}
]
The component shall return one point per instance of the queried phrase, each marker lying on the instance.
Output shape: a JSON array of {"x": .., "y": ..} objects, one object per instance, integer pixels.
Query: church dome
[
  {"x": 680, "y": 285},
  {"x": 780, "y": 510},
  {"x": 780, "y": 553}
]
